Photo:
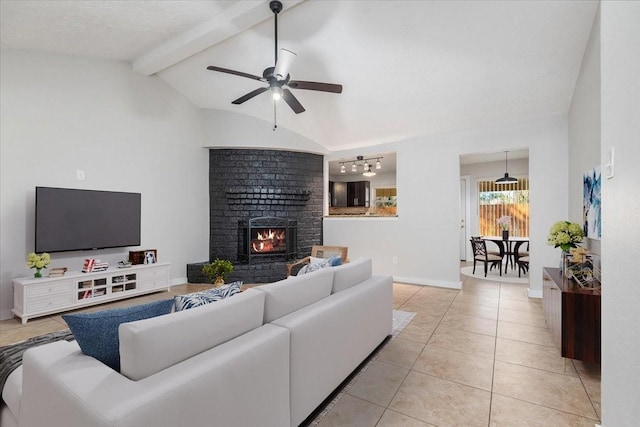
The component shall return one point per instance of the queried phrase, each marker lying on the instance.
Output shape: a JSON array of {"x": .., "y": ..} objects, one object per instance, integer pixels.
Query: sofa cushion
[
  {"x": 97, "y": 332},
  {"x": 12, "y": 391},
  {"x": 151, "y": 345},
  {"x": 196, "y": 299},
  {"x": 292, "y": 294},
  {"x": 350, "y": 274}
]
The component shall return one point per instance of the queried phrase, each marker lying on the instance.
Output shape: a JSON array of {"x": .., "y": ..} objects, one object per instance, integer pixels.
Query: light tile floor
[{"x": 479, "y": 356}]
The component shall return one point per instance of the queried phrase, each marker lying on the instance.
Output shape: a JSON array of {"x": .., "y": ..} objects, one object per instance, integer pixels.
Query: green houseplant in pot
[{"x": 218, "y": 270}]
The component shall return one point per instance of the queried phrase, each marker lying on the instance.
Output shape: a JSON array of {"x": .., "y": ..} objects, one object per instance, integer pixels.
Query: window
[
  {"x": 386, "y": 201},
  {"x": 495, "y": 201}
]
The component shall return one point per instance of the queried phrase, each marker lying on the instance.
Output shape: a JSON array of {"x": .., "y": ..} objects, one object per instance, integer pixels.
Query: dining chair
[
  {"x": 479, "y": 246},
  {"x": 521, "y": 258}
]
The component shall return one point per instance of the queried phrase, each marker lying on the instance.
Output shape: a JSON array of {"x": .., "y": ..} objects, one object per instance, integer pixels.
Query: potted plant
[{"x": 218, "y": 270}]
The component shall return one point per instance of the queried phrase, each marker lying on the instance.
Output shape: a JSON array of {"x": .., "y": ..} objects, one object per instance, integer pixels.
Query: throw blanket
[{"x": 11, "y": 355}]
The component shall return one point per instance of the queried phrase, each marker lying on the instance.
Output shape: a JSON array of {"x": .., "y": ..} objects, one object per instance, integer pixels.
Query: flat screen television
[{"x": 71, "y": 220}]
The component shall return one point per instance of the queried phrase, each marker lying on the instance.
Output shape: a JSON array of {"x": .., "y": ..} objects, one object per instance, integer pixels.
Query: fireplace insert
[{"x": 267, "y": 238}]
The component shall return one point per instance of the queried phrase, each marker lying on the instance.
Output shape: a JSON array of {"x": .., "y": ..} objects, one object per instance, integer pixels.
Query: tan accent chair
[{"x": 321, "y": 252}]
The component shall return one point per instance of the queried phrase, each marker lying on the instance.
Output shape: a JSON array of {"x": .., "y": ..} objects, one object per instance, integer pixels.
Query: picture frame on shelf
[{"x": 150, "y": 257}]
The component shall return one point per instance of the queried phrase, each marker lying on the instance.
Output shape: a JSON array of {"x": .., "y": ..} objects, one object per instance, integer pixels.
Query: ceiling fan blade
[
  {"x": 292, "y": 101},
  {"x": 285, "y": 61},
  {"x": 322, "y": 87},
  {"x": 235, "y": 73},
  {"x": 250, "y": 95}
]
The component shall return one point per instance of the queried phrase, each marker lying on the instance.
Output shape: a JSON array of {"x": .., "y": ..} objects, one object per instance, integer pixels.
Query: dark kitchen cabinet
[
  {"x": 349, "y": 194},
  {"x": 358, "y": 194},
  {"x": 338, "y": 194}
]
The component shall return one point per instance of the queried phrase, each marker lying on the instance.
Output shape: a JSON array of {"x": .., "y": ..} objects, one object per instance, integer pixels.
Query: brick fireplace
[{"x": 276, "y": 193}]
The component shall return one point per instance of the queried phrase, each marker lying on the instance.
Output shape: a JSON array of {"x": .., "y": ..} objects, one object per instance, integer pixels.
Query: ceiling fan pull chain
[{"x": 275, "y": 123}]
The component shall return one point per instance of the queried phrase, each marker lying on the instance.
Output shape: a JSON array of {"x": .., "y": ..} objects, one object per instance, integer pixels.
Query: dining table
[{"x": 508, "y": 247}]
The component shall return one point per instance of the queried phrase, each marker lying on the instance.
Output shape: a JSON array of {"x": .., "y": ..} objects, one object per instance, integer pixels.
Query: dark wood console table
[{"x": 573, "y": 315}]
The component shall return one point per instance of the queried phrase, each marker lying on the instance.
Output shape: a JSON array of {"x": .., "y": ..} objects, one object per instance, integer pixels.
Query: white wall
[
  {"x": 126, "y": 131},
  {"x": 424, "y": 236},
  {"x": 233, "y": 130},
  {"x": 584, "y": 127},
  {"x": 620, "y": 48}
]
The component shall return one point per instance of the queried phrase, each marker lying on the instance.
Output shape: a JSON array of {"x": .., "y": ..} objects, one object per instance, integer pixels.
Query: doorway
[
  {"x": 465, "y": 213},
  {"x": 484, "y": 167}
]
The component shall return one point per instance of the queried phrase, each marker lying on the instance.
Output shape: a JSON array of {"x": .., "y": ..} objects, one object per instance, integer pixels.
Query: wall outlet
[
  {"x": 80, "y": 175},
  {"x": 395, "y": 259}
]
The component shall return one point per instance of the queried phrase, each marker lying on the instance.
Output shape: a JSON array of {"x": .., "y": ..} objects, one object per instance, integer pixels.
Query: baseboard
[
  {"x": 534, "y": 294},
  {"x": 428, "y": 282},
  {"x": 178, "y": 281}
]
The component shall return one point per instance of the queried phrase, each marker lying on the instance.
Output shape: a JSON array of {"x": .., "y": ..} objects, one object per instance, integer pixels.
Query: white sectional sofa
[{"x": 266, "y": 357}]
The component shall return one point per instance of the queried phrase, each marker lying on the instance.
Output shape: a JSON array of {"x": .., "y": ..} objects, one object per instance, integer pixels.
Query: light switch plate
[{"x": 609, "y": 167}]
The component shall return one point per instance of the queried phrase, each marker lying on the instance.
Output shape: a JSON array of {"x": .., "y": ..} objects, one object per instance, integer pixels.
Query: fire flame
[{"x": 268, "y": 241}]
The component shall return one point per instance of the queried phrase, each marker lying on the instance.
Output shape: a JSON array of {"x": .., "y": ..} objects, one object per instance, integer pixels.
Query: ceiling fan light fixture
[
  {"x": 343, "y": 169},
  {"x": 354, "y": 167},
  {"x": 285, "y": 61},
  {"x": 378, "y": 164},
  {"x": 277, "y": 93}
]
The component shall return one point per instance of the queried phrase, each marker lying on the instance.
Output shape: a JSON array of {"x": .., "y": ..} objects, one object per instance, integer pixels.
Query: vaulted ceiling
[{"x": 408, "y": 68}]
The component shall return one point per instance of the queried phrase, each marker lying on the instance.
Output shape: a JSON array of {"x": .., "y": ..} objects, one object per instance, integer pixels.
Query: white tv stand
[{"x": 47, "y": 295}]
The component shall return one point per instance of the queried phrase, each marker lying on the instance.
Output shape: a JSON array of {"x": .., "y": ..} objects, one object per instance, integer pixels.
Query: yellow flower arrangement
[
  {"x": 38, "y": 262},
  {"x": 565, "y": 235}
]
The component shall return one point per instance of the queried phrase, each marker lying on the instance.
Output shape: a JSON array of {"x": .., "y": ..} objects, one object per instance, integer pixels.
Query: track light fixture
[{"x": 361, "y": 161}]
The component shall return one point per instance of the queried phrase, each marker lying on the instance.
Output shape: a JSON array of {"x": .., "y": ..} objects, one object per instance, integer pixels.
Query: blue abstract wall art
[{"x": 591, "y": 210}]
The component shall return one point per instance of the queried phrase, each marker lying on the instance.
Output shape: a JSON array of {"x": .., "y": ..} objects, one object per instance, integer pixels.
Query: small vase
[
  {"x": 505, "y": 234},
  {"x": 37, "y": 273},
  {"x": 564, "y": 256},
  {"x": 219, "y": 281}
]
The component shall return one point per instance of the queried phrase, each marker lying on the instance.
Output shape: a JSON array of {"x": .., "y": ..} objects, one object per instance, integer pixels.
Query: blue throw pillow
[
  {"x": 196, "y": 299},
  {"x": 335, "y": 261},
  {"x": 97, "y": 333}
]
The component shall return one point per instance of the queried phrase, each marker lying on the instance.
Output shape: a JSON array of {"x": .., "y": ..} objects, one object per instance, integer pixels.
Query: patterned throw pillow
[
  {"x": 308, "y": 268},
  {"x": 97, "y": 333},
  {"x": 196, "y": 299}
]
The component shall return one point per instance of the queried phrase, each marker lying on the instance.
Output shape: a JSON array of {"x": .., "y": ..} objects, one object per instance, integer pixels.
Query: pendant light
[
  {"x": 368, "y": 172},
  {"x": 506, "y": 179}
]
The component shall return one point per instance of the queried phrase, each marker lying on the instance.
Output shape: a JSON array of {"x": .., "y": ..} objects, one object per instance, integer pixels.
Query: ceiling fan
[{"x": 278, "y": 76}]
